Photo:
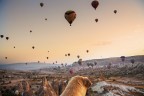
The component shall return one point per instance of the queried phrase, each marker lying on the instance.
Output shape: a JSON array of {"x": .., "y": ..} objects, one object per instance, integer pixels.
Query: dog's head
[
  {"x": 83, "y": 80},
  {"x": 87, "y": 82}
]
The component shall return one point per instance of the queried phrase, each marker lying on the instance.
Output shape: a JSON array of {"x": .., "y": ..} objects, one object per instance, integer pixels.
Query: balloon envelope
[
  {"x": 78, "y": 56},
  {"x": 96, "y": 20},
  {"x": 95, "y": 4},
  {"x": 115, "y": 11},
  {"x": 80, "y": 61},
  {"x": 71, "y": 71},
  {"x": 33, "y": 47},
  {"x": 68, "y": 54},
  {"x": 7, "y": 38},
  {"x": 41, "y": 4},
  {"x": 70, "y": 16},
  {"x": 1, "y": 36}
]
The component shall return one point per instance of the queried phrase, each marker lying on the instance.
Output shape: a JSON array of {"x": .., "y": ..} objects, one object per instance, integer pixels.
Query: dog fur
[{"x": 77, "y": 86}]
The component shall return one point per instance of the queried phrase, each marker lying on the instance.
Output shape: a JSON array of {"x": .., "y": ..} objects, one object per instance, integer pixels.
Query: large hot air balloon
[
  {"x": 41, "y": 4},
  {"x": 115, "y": 11},
  {"x": 1, "y": 36},
  {"x": 7, "y": 38},
  {"x": 70, "y": 16},
  {"x": 95, "y": 4}
]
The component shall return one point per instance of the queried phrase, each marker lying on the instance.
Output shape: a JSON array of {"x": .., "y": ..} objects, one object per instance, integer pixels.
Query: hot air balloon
[
  {"x": 71, "y": 71},
  {"x": 87, "y": 51},
  {"x": 33, "y": 47},
  {"x": 115, "y": 11},
  {"x": 5, "y": 57},
  {"x": 95, "y": 4},
  {"x": 30, "y": 31},
  {"x": 78, "y": 56},
  {"x": 7, "y": 38},
  {"x": 68, "y": 54},
  {"x": 65, "y": 54},
  {"x": 70, "y": 16},
  {"x": 80, "y": 61},
  {"x": 56, "y": 61},
  {"x": 46, "y": 19},
  {"x": 96, "y": 20},
  {"x": 41, "y": 4},
  {"x": 1, "y": 36},
  {"x": 14, "y": 46},
  {"x": 47, "y": 57}
]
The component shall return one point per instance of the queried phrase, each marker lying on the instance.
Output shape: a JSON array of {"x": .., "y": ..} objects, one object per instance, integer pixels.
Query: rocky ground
[{"x": 123, "y": 80}]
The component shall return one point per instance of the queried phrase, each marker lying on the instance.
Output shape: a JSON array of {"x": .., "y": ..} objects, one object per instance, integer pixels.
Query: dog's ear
[{"x": 87, "y": 82}]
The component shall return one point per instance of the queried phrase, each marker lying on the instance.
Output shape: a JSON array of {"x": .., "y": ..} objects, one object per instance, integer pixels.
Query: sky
[{"x": 114, "y": 35}]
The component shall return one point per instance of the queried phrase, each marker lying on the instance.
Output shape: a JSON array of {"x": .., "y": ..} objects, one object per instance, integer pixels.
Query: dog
[{"x": 77, "y": 86}]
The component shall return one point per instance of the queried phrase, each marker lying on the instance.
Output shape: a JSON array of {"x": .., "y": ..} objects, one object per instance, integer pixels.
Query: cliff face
[{"x": 46, "y": 89}]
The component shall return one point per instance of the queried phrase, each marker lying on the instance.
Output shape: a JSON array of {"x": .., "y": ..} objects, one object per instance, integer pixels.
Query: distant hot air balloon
[
  {"x": 46, "y": 19},
  {"x": 115, "y": 11},
  {"x": 26, "y": 63},
  {"x": 78, "y": 56},
  {"x": 47, "y": 57},
  {"x": 70, "y": 16},
  {"x": 41, "y": 4},
  {"x": 87, "y": 51},
  {"x": 71, "y": 71},
  {"x": 30, "y": 31},
  {"x": 38, "y": 61},
  {"x": 33, "y": 47},
  {"x": 65, "y": 54},
  {"x": 96, "y": 20},
  {"x": 95, "y": 4},
  {"x": 14, "y": 46},
  {"x": 80, "y": 61},
  {"x": 68, "y": 54},
  {"x": 1, "y": 36},
  {"x": 7, "y": 38},
  {"x": 5, "y": 57},
  {"x": 56, "y": 61},
  {"x": 53, "y": 63}
]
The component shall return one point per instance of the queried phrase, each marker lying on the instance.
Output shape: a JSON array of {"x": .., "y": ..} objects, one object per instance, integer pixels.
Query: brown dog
[{"x": 77, "y": 86}]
